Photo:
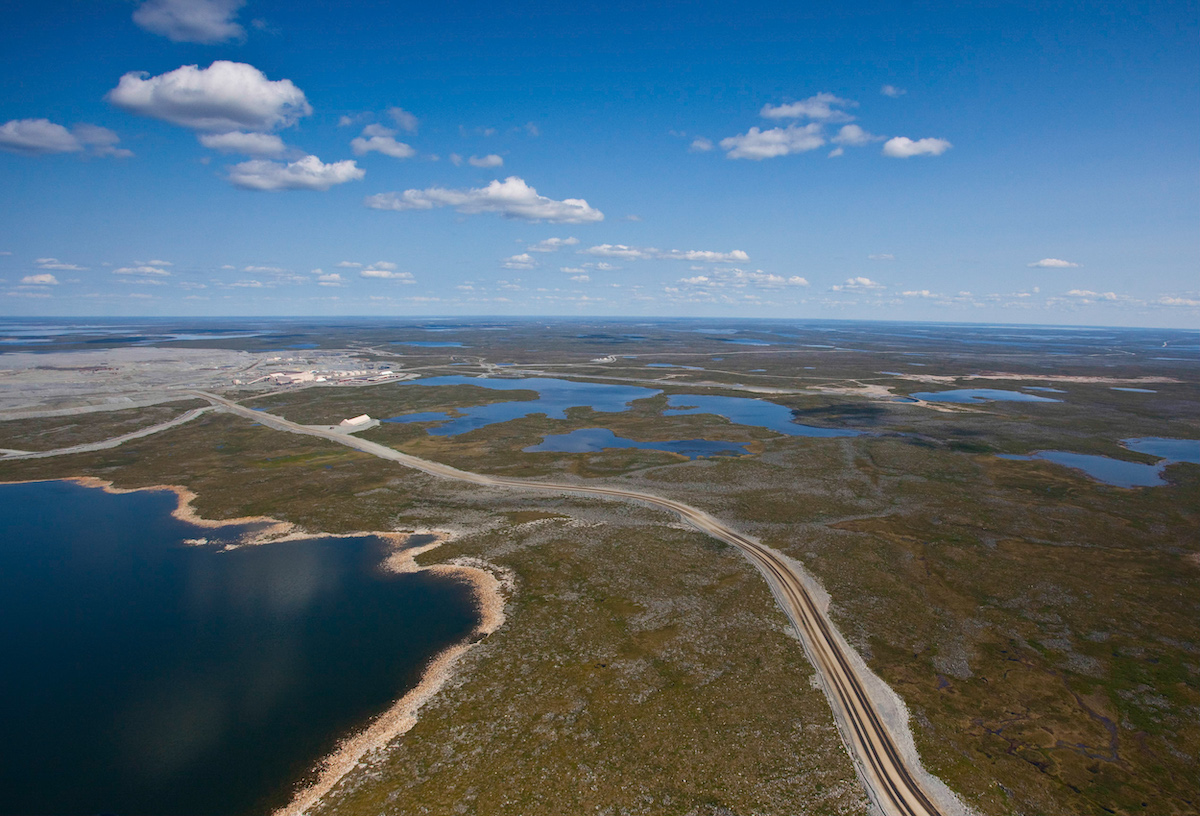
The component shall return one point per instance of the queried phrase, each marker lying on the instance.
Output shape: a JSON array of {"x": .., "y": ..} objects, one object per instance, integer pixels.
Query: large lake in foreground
[{"x": 143, "y": 675}]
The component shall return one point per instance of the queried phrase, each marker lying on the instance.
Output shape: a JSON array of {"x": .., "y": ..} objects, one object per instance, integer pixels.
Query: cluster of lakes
[
  {"x": 556, "y": 396},
  {"x": 152, "y": 669}
]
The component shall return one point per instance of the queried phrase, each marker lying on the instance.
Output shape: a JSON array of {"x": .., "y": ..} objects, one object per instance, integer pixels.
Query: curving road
[{"x": 892, "y": 784}]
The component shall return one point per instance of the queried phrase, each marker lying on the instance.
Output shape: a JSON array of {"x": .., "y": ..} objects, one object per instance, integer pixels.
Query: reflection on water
[
  {"x": 146, "y": 675},
  {"x": 596, "y": 439},
  {"x": 971, "y": 395}
]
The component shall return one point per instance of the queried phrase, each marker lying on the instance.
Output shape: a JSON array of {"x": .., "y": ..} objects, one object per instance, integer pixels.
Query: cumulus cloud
[
  {"x": 387, "y": 274},
  {"x": 57, "y": 265},
  {"x": 35, "y": 137},
  {"x": 349, "y": 265},
  {"x": 853, "y": 136},
  {"x": 249, "y": 144},
  {"x": 1052, "y": 263},
  {"x": 824, "y": 107},
  {"x": 701, "y": 145},
  {"x": 739, "y": 278},
  {"x": 631, "y": 253},
  {"x": 1089, "y": 295},
  {"x": 1173, "y": 300},
  {"x": 892, "y": 91},
  {"x": 42, "y": 279},
  {"x": 331, "y": 279},
  {"x": 901, "y": 147},
  {"x": 511, "y": 198},
  {"x": 919, "y": 293},
  {"x": 552, "y": 244},
  {"x": 490, "y": 160},
  {"x": 379, "y": 139},
  {"x": 308, "y": 173},
  {"x": 857, "y": 284},
  {"x": 223, "y": 97},
  {"x": 522, "y": 261},
  {"x": 142, "y": 271},
  {"x": 759, "y": 144},
  {"x": 403, "y": 119},
  {"x": 194, "y": 21}
]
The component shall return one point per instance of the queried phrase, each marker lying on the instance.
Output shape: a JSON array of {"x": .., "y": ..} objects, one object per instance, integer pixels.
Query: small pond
[
  {"x": 756, "y": 412},
  {"x": 1119, "y": 472}
]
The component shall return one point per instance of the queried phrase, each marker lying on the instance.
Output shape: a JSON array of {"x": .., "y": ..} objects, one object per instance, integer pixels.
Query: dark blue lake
[
  {"x": 1173, "y": 450},
  {"x": 597, "y": 439},
  {"x": 972, "y": 395},
  {"x": 143, "y": 675}
]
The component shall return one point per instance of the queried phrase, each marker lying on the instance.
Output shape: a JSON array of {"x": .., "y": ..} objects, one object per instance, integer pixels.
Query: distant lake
[
  {"x": 429, "y": 343},
  {"x": 556, "y": 396},
  {"x": 971, "y": 395},
  {"x": 143, "y": 675}
]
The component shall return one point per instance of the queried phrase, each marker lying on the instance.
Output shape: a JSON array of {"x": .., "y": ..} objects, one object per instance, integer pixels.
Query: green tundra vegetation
[{"x": 1042, "y": 628}]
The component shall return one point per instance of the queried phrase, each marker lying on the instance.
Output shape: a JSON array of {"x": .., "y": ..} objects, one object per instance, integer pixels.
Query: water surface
[
  {"x": 975, "y": 395},
  {"x": 143, "y": 675},
  {"x": 745, "y": 411}
]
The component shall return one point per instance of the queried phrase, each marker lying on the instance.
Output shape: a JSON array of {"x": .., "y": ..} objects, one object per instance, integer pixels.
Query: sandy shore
[{"x": 490, "y": 585}]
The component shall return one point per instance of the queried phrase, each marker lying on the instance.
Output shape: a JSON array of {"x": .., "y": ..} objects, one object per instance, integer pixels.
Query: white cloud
[
  {"x": 223, "y": 97},
  {"x": 388, "y": 274},
  {"x": 273, "y": 270},
  {"x": 739, "y": 278},
  {"x": 822, "y": 107},
  {"x": 837, "y": 151},
  {"x": 35, "y": 137},
  {"x": 581, "y": 278},
  {"x": 154, "y": 263},
  {"x": 882, "y": 256},
  {"x": 308, "y": 173},
  {"x": 1088, "y": 295},
  {"x": 250, "y": 144},
  {"x": 522, "y": 261},
  {"x": 1170, "y": 300},
  {"x": 511, "y": 198},
  {"x": 853, "y": 136},
  {"x": 349, "y": 265},
  {"x": 42, "y": 279},
  {"x": 919, "y": 293},
  {"x": 456, "y": 159},
  {"x": 380, "y": 140},
  {"x": 574, "y": 270},
  {"x": 552, "y": 244},
  {"x": 631, "y": 253},
  {"x": 1052, "y": 263},
  {"x": 490, "y": 160},
  {"x": 403, "y": 119},
  {"x": 383, "y": 265},
  {"x": 194, "y": 21},
  {"x": 60, "y": 266},
  {"x": 857, "y": 284},
  {"x": 892, "y": 91},
  {"x": 143, "y": 271},
  {"x": 701, "y": 145},
  {"x": 766, "y": 144},
  {"x": 331, "y": 279},
  {"x": 901, "y": 147}
]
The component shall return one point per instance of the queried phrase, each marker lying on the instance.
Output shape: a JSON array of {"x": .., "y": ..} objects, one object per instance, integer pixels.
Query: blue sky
[{"x": 998, "y": 162}]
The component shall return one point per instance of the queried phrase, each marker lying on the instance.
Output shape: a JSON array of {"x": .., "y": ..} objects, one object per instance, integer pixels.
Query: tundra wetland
[{"x": 1040, "y": 627}]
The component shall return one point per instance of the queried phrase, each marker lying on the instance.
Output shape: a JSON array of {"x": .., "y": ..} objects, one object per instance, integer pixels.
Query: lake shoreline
[{"x": 489, "y": 585}]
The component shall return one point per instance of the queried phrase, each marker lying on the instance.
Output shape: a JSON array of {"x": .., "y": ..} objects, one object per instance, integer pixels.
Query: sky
[{"x": 967, "y": 161}]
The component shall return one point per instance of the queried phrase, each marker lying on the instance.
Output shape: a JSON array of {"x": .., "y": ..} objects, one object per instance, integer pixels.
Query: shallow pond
[{"x": 144, "y": 674}]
